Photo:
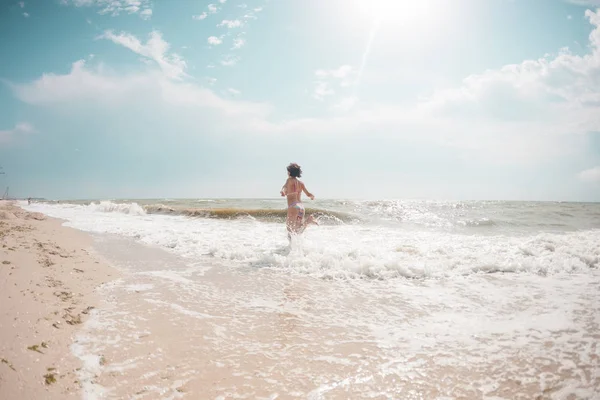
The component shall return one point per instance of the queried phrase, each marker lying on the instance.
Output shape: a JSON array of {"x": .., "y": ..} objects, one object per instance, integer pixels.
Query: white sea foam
[
  {"x": 124, "y": 208},
  {"x": 85, "y": 348},
  {"x": 139, "y": 287},
  {"x": 342, "y": 251}
]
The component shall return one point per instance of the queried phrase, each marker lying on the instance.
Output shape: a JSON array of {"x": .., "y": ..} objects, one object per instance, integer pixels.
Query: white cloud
[
  {"x": 591, "y": 175},
  {"x": 115, "y": 7},
  {"x": 236, "y": 23},
  {"x": 211, "y": 81},
  {"x": 343, "y": 77},
  {"x": 155, "y": 49},
  {"x": 534, "y": 110},
  {"x": 212, "y": 9},
  {"x": 346, "y": 104},
  {"x": 22, "y": 4},
  {"x": 146, "y": 14},
  {"x": 8, "y": 136},
  {"x": 345, "y": 74},
  {"x": 47, "y": 89},
  {"x": 229, "y": 61},
  {"x": 252, "y": 14},
  {"x": 200, "y": 17},
  {"x": 26, "y": 15},
  {"x": 234, "y": 92},
  {"x": 564, "y": 89},
  {"x": 24, "y": 127},
  {"x": 222, "y": 1},
  {"x": 243, "y": 5},
  {"x": 569, "y": 17},
  {"x": 238, "y": 43},
  {"x": 102, "y": 90},
  {"x": 215, "y": 41},
  {"x": 323, "y": 90}
]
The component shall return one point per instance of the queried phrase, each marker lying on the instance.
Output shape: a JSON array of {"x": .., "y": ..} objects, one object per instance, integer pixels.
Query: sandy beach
[
  {"x": 199, "y": 309},
  {"x": 47, "y": 282},
  {"x": 141, "y": 306}
]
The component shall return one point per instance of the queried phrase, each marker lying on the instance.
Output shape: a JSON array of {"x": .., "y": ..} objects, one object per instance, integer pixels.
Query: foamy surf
[
  {"x": 345, "y": 250},
  {"x": 223, "y": 308}
]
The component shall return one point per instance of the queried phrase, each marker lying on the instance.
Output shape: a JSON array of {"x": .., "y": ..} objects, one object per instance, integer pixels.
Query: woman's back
[{"x": 293, "y": 190}]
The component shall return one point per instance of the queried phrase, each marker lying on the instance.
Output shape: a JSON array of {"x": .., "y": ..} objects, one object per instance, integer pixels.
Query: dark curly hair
[{"x": 294, "y": 170}]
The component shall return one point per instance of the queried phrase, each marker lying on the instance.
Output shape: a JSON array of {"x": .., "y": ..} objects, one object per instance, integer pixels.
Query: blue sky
[{"x": 469, "y": 99}]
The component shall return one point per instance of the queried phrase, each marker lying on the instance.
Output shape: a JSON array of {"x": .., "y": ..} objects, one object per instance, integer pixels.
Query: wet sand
[{"x": 178, "y": 328}]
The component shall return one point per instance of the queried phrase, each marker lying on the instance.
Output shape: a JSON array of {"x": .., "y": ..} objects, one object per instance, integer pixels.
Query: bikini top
[{"x": 295, "y": 190}]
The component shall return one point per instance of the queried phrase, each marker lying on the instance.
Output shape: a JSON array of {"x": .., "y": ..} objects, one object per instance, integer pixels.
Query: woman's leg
[
  {"x": 309, "y": 220},
  {"x": 291, "y": 222}
]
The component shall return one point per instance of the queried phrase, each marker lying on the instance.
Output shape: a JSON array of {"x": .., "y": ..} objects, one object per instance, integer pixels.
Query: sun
[{"x": 400, "y": 11}]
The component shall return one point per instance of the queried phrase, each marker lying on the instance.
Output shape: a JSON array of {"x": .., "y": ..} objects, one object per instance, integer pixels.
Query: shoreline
[{"x": 48, "y": 277}]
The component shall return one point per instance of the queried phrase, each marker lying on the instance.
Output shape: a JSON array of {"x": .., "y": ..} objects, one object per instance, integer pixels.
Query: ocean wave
[
  {"x": 275, "y": 215},
  {"x": 487, "y": 217},
  {"x": 270, "y": 215},
  {"x": 483, "y": 222},
  {"x": 123, "y": 208}
]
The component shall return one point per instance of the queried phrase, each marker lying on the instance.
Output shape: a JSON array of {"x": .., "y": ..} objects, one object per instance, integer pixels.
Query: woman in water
[{"x": 292, "y": 189}]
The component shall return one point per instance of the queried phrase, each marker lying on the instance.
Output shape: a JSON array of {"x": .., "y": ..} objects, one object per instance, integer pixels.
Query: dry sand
[{"x": 47, "y": 279}]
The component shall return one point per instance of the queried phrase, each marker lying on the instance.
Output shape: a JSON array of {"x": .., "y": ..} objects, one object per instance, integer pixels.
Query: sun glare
[{"x": 401, "y": 11}]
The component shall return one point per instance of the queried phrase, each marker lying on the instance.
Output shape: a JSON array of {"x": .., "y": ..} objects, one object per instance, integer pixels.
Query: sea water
[{"x": 384, "y": 299}]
